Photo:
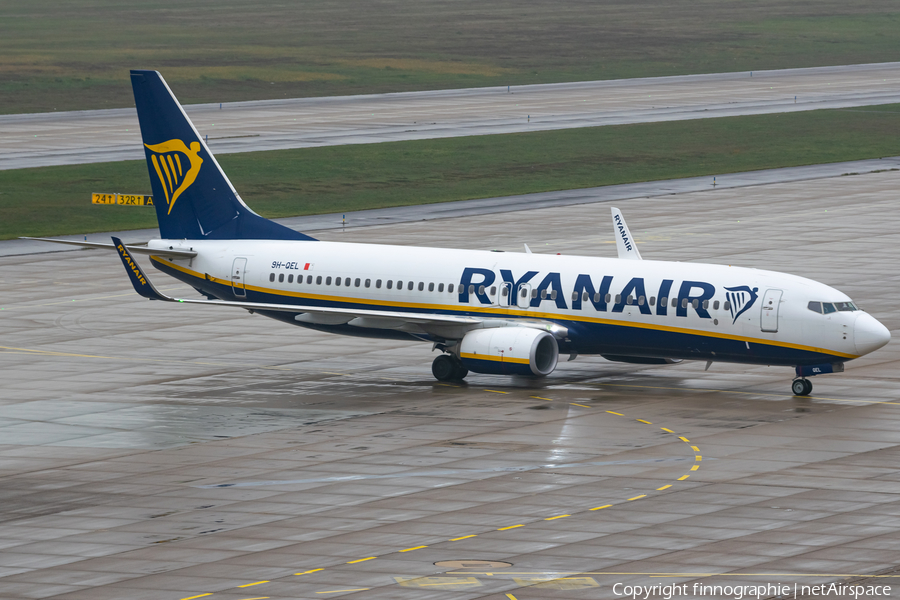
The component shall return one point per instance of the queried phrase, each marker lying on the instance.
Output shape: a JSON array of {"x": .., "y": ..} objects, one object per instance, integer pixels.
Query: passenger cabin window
[
  {"x": 450, "y": 287},
  {"x": 652, "y": 300},
  {"x": 618, "y": 298},
  {"x": 675, "y": 303},
  {"x": 727, "y": 305},
  {"x": 480, "y": 290},
  {"x": 368, "y": 283},
  {"x": 290, "y": 279},
  {"x": 421, "y": 286},
  {"x": 271, "y": 276},
  {"x": 440, "y": 287},
  {"x": 328, "y": 281},
  {"x": 309, "y": 279},
  {"x": 716, "y": 305},
  {"x": 493, "y": 290},
  {"x": 629, "y": 299},
  {"x": 553, "y": 295},
  {"x": 663, "y": 300},
  {"x": 597, "y": 297},
  {"x": 505, "y": 292},
  {"x": 280, "y": 277},
  {"x": 390, "y": 284},
  {"x": 378, "y": 284},
  {"x": 410, "y": 285},
  {"x": 471, "y": 289},
  {"x": 337, "y": 281},
  {"x": 684, "y": 303},
  {"x": 431, "y": 287},
  {"x": 356, "y": 283},
  {"x": 816, "y": 307},
  {"x": 347, "y": 281},
  {"x": 399, "y": 284},
  {"x": 543, "y": 294}
]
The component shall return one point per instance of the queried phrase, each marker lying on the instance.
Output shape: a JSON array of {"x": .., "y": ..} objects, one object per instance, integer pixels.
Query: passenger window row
[
  {"x": 411, "y": 285},
  {"x": 358, "y": 282}
]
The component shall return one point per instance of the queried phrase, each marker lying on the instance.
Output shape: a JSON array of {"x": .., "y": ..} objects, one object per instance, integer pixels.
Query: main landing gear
[
  {"x": 801, "y": 387},
  {"x": 447, "y": 367}
]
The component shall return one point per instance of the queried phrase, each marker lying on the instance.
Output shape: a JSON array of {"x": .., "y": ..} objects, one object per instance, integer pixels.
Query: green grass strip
[{"x": 56, "y": 200}]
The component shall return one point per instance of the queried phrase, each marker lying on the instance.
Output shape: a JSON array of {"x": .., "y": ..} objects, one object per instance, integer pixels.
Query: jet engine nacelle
[{"x": 509, "y": 351}]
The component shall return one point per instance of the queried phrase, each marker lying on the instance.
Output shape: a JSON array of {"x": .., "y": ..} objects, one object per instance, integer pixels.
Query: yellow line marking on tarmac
[
  {"x": 557, "y": 517},
  {"x": 258, "y": 598},
  {"x": 604, "y": 506},
  {"x": 683, "y": 477},
  {"x": 695, "y": 448},
  {"x": 359, "y": 560},
  {"x": 581, "y": 405},
  {"x": 637, "y": 497},
  {"x": 698, "y": 458},
  {"x": 643, "y": 421},
  {"x": 661, "y": 574},
  {"x": 496, "y": 391},
  {"x": 511, "y": 597},
  {"x": 310, "y": 571},
  {"x": 539, "y": 398},
  {"x": 615, "y": 413},
  {"x": 684, "y": 389},
  {"x": 665, "y": 487},
  {"x": 684, "y": 439},
  {"x": 200, "y": 596},
  {"x": 336, "y": 591},
  {"x": 415, "y": 548},
  {"x": 250, "y": 584},
  {"x": 510, "y": 527},
  {"x": 665, "y": 429},
  {"x": 695, "y": 467},
  {"x": 465, "y": 537}
]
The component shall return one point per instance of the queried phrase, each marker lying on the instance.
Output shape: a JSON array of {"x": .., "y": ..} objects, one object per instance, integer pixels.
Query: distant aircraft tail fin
[{"x": 193, "y": 197}]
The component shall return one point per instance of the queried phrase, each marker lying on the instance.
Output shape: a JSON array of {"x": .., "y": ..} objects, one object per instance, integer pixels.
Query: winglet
[
  {"x": 624, "y": 241},
  {"x": 140, "y": 281}
]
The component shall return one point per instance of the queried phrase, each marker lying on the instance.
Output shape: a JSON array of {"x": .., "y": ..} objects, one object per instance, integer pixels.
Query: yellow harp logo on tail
[{"x": 176, "y": 166}]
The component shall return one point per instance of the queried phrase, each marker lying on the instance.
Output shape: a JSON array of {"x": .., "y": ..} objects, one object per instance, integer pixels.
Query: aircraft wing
[{"x": 145, "y": 288}]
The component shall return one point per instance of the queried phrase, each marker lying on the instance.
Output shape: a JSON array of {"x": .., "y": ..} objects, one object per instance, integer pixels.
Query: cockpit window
[{"x": 830, "y": 307}]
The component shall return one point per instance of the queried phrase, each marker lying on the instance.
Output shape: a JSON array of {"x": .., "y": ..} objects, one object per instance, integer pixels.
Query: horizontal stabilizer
[{"x": 133, "y": 249}]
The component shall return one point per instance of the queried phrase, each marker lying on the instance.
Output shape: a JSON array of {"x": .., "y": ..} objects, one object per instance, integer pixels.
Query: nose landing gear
[{"x": 802, "y": 387}]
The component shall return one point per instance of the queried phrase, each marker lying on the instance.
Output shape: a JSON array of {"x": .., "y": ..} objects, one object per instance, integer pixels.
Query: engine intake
[{"x": 509, "y": 351}]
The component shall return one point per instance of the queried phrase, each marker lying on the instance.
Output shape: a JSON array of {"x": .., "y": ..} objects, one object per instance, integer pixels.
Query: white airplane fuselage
[{"x": 615, "y": 307}]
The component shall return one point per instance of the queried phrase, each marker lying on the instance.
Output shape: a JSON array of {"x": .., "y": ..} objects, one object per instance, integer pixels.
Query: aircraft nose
[{"x": 869, "y": 334}]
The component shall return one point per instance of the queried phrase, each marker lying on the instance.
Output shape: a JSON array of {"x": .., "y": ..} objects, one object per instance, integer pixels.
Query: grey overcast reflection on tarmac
[{"x": 132, "y": 433}]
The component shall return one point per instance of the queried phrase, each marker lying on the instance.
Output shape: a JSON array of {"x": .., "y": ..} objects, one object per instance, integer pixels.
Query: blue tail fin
[{"x": 193, "y": 197}]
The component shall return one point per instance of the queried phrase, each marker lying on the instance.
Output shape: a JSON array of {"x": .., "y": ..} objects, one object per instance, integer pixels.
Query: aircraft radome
[{"x": 488, "y": 312}]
